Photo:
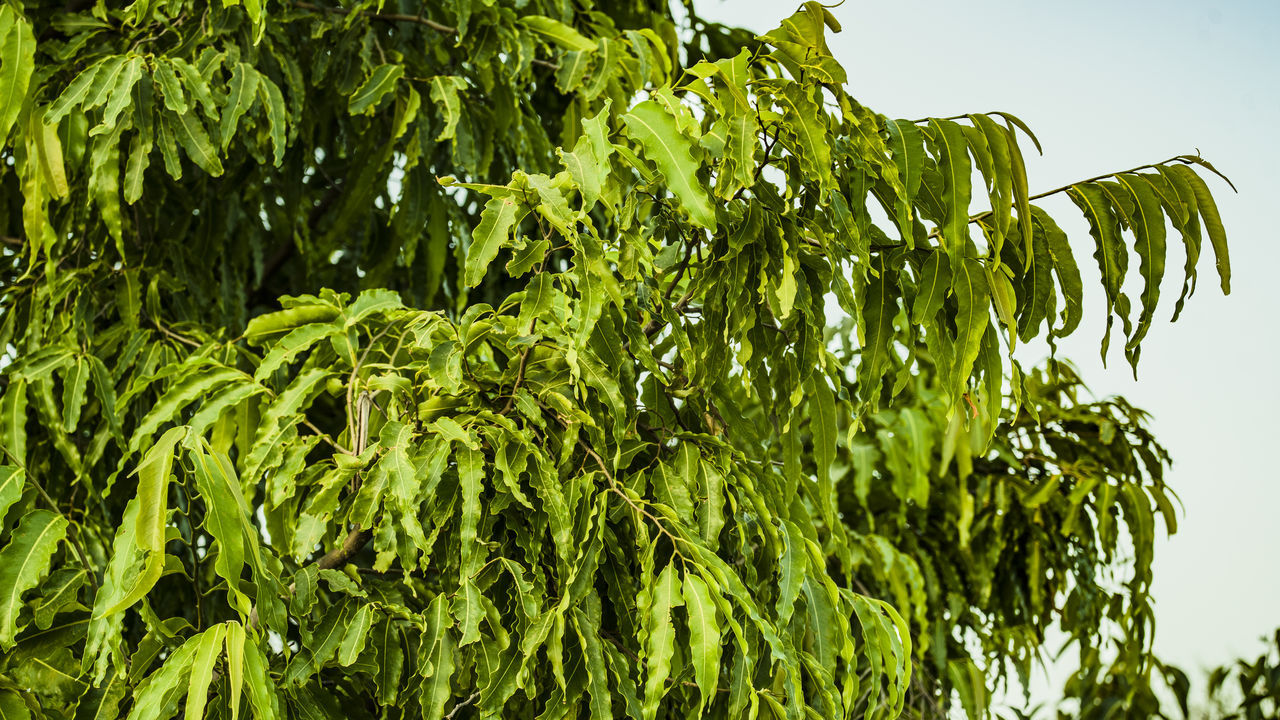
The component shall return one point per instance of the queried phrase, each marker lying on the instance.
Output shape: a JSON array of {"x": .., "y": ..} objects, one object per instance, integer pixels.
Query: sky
[{"x": 1108, "y": 86}]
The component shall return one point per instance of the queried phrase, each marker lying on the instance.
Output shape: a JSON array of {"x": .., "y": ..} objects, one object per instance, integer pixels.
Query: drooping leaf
[{"x": 24, "y": 560}]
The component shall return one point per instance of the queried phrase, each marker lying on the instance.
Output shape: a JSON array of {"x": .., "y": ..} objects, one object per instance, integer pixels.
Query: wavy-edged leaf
[
  {"x": 241, "y": 92},
  {"x": 206, "y": 654},
  {"x": 76, "y": 92},
  {"x": 386, "y": 640},
  {"x": 1149, "y": 232},
  {"x": 24, "y": 561},
  {"x": 375, "y": 87},
  {"x": 1066, "y": 270},
  {"x": 154, "y": 473},
  {"x": 195, "y": 385},
  {"x": 165, "y": 76},
  {"x": 353, "y": 641},
  {"x": 973, "y": 303},
  {"x": 558, "y": 33},
  {"x": 277, "y": 118},
  {"x": 74, "y": 385},
  {"x": 227, "y": 519},
  {"x": 12, "y": 480},
  {"x": 191, "y": 134},
  {"x": 500, "y": 214},
  {"x": 951, "y": 151},
  {"x": 158, "y": 695},
  {"x": 298, "y": 341},
  {"x": 672, "y": 152},
  {"x": 17, "y": 62},
  {"x": 436, "y": 659},
  {"x": 878, "y": 311},
  {"x": 13, "y": 421},
  {"x": 704, "y": 637},
  {"x": 1104, "y": 226},
  {"x": 1208, "y": 208},
  {"x": 664, "y": 596},
  {"x": 907, "y": 146},
  {"x": 444, "y": 91},
  {"x": 121, "y": 95}
]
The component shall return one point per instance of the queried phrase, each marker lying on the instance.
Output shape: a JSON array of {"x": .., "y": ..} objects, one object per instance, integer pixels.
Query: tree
[{"x": 483, "y": 359}]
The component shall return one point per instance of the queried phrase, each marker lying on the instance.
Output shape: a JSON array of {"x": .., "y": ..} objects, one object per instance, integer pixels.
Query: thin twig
[
  {"x": 324, "y": 436},
  {"x": 657, "y": 324},
  {"x": 613, "y": 486},
  {"x": 174, "y": 335},
  {"x": 456, "y": 708}
]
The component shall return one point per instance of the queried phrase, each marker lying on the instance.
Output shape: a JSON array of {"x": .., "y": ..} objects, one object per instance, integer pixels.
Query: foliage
[
  {"x": 1250, "y": 688},
  {"x": 484, "y": 359}
]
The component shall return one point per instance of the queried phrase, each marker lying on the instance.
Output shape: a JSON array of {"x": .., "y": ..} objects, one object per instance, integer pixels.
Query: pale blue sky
[{"x": 1108, "y": 86}]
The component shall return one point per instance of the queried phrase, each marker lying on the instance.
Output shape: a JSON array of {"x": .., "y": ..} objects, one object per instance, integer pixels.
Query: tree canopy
[{"x": 553, "y": 359}]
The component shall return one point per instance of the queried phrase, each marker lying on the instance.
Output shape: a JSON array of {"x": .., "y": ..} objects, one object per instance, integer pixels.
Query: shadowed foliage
[{"x": 548, "y": 359}]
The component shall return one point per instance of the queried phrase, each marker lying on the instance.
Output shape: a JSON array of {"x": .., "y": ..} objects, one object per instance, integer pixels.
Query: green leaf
[
  {"x": 375, "y": 87},
  {"x": 436, "y": 659},
  {"x": 1066, "y": 270},
  {"x": 277, "y": 118},
  {"x": 227, "y": 519},
  {"x": 12, "y": 480},
  {"x": 470, "y": 481},
  {"x": 121, "y": 94},
  {"x": 24, "y": 561},
  {"x": 166, "y": 77},
  {"x": 444, "y": 91},
  {"x": 823, "y": 428},
  {"x": 665, "y": 595},
  {"x": 499, "y": 216},
  {"x": 1104, "y": 226},
  {"x": 178, "y": 396},
  {"x": 13, "y": 421},
  {"x": 74, "y": 385},
  {"x": 704, "y": 637},
  {"x": 951, "y": 150},
  {"x": 158, "y": 695},
  {"x": 973, "y": 302},
  {"x": 1212, "y": 222},
  {"x": 17, "y": 62},
  {"x": 191, "y": 134},
  {"x": 298, "y": 341},
  {"x": 154, "y": 473},
  {"x": 240, "y": 96},
  {"x": 75, "y": 93},
  {"x": 206, "y": 654},
  {"x": 386, "y": 639},
  {"x": 878, "y": 312},
  {"x": 1148, "y": 230},
  {"x": 907, "y": 146},
  {"x": 671, "y": 151},
  {"x": 587, "y": 625},
  {"x": 931, "y": 288},
  {"x": 558, "y": 33},
  {"x": 357, "y": 635}
]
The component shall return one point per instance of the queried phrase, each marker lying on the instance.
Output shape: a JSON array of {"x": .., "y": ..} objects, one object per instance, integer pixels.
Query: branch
[
  {"x": 1184, "y": 159},
  {"x": 461, "y": 704},
  {"x": 402, "y": 17},
  {"x": 657, "y": 324},
  {"x": 386, "y": 17}
]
